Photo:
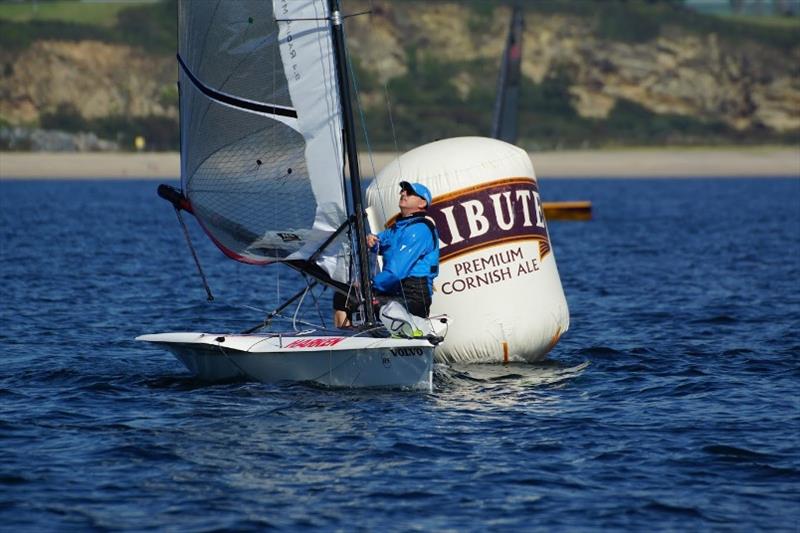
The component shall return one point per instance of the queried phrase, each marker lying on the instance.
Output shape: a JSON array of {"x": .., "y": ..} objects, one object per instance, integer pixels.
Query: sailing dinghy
[{"x": 266, "y": 119}]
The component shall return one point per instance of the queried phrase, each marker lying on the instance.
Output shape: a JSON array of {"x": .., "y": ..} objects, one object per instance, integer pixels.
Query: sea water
[{"x": 671, "y": 404}]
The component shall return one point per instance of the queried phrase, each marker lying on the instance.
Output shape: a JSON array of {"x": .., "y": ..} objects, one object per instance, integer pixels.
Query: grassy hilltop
[{"x": 594, "y": 73}]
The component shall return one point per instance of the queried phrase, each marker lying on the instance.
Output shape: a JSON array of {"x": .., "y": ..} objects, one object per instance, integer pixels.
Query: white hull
[{"x": 334, "y": 361}]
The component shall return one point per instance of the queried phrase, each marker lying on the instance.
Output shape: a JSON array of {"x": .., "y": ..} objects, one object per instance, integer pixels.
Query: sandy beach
[{"x": 622, "y": 163}]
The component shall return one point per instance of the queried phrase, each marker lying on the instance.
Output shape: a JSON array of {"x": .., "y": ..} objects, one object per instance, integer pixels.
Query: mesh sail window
[{"x": 261, "y": 148}]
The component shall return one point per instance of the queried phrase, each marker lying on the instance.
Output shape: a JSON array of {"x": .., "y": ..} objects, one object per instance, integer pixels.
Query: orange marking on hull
[{"x": 554, "y": 340}]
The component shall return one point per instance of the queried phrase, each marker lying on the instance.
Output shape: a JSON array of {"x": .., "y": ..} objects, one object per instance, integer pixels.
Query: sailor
[
  {"x": 410, "y": 249},
  {"x": 343, "y": 310}
]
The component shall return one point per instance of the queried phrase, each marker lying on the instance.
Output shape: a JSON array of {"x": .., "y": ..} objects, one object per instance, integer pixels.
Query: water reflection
[{"x": 486, "y": 386}]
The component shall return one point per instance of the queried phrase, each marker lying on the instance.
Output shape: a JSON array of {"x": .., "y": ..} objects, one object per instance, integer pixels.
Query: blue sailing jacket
[{"x": 410, "y": 248}]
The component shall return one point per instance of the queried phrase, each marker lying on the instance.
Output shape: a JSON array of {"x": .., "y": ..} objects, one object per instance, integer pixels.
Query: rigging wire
[
  {"x": 391, "y": 123},
  {"x": 299, "y": 305},
  {"x": 328, "y": 19},
  {"x": 364, "y": 122},
  {"x": 278, "y": 312},
  {"x": 210, "y": 297},
  {"x": 361, "y": 114},
  {"x": 369, "y": 146},
  {"x": 348, "y": 117},
  {"x": 399, "y": 167},
  {"x": 316, "y": 301},
  {"x": 362, "y": 117},
  {"x": 277, "y": 70}
]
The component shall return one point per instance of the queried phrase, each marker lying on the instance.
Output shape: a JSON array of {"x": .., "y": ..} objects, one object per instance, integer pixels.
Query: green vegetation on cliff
[
  {"x": 424, "y": 107},
  {"x": 150, "y": 26},
  {"x": 637, "y": 21}
]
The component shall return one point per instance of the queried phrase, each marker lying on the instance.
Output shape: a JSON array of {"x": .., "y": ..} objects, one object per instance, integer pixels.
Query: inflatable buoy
[{"x": 498, "y": 279}]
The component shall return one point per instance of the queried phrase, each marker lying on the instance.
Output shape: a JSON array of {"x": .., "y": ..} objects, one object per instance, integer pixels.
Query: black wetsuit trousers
[{"x": 414, "y": 296}]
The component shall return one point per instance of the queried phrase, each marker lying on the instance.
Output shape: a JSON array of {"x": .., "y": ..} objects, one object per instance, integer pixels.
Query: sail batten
[{"x": 241, "y": 103}]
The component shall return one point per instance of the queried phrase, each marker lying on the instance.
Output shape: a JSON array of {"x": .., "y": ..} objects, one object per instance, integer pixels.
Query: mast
[
  {"x": 343, "y": 77},
  {"x": 504, "y": 121}
]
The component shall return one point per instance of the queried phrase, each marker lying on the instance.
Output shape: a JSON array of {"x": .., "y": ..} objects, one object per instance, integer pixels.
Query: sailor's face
[
  {"x": 403, "y": 199},
  {"x": 410, "y": 201}
]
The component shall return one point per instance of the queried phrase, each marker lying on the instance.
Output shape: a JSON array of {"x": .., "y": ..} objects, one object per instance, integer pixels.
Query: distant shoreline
[{"x": 610, "y": 163}]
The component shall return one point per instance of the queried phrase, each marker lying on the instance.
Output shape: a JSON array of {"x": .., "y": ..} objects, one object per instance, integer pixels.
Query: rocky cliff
[
  {"x": 95, "y": 79},
  {"x": 744, "y": 84}
]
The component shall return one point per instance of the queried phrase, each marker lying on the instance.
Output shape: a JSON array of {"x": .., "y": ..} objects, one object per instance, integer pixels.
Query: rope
[
  {"x": 360, "y": 109},
  {"x": 299, "y": 305},
  {"x": 391, "y": 122},
  {"x": 363, "y": 127},
  {"x": 369, "y": 148},
  {"x": 316, "y": 301},
  {"x": 210, "y": 297},
  {"x": 399, "y": 168}
]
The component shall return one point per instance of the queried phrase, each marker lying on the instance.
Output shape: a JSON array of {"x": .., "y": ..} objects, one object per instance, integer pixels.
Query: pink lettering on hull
[{"x": 315, "y": 342}]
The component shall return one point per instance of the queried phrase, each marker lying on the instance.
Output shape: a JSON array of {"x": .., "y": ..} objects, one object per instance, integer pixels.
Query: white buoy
[{"x": 498, "y": 279}]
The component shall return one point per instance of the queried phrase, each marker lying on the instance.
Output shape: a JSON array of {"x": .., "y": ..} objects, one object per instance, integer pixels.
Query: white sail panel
[{"x": 308, "y": 58}]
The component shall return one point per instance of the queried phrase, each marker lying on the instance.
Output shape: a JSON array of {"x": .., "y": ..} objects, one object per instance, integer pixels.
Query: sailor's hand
[{"x": 372, "y": 240}]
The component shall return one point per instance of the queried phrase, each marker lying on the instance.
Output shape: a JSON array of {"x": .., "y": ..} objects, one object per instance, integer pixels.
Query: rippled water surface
[{"x": 671, "y": 404}]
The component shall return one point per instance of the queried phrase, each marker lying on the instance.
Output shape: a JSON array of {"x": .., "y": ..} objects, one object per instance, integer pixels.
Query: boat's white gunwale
[{"x": 282, "y": 344}]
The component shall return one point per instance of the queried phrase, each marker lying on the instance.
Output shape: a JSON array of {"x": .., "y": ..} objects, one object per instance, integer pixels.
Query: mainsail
[{"x": 261, "y": 133}]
